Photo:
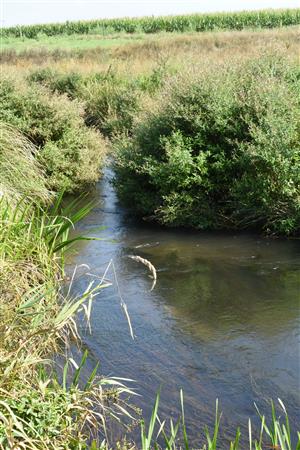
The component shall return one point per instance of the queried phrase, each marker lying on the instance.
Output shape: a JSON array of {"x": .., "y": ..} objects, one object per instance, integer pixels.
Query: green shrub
[
  {"x": 74, "y": 160},
  {"x": 110, "y": 104},
  {"x": 152, "y": 82},
  {"x": 220, "y": 150},
  {"x": 62, "y": 83},
  {"x": 71, "y": 154}
]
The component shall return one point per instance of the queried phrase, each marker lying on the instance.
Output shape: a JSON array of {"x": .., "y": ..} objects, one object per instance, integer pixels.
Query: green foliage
[
  {"x": 37, "y": 320},
  {"x": 70, "y": 153},
  {"x": 151, "y": 83},
  {"x": 41, "y": 414},
  {"x": 175, "y": 436},
  {"x": 17, "y": 157},
  {"x": 110, "y": 104},
  {"x": 62, "y": 83},
  {"x": 194, "y": 22},
  {"x": 221, "y": 149}
]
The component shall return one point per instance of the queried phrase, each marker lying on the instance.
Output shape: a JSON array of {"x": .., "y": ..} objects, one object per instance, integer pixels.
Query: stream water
[{"x": 222, "y": 322}]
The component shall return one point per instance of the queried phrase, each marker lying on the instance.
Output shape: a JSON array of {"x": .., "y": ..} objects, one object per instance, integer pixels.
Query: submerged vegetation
[{"x": 204, "y": 147}]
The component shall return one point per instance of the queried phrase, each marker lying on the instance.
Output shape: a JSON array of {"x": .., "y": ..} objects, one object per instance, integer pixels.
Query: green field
[
  {"x": 69, "y": 42},
  {"x": 183, "y": 23}
]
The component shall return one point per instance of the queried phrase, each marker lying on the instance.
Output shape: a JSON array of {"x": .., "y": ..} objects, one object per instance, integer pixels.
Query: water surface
[{"x": 222, "y": 321}]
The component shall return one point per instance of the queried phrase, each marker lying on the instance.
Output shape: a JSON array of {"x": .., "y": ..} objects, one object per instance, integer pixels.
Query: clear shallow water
[{"x": 222, "y": 322}]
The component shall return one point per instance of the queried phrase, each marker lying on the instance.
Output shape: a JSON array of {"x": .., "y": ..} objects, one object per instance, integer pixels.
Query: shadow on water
[{"x": 222, "y": 321}]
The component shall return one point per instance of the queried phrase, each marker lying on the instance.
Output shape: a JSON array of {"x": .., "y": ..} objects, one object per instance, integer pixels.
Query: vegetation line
[{"x": 182, "y": 23}]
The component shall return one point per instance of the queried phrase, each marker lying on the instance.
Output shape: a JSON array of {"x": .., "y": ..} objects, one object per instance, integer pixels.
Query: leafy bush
[
  {"x": 220, "y": 150},
  {"x": 109, "y": 101},
  {"x": 152, "y": 82},
  {"x": 110, "y": 104},
  {"x": 17, "y": 157},
  {"x": 71, "y": 153}
]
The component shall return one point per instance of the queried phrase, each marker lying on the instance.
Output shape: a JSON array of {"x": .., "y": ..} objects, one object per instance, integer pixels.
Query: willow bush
[
  {"x": 70, "y": 153},
  {"x": 109, "y": 101},
  {"x": 221, "y": 149},
  {"x": 110, "y": 105},
  {"x": 61, "y": 83}
]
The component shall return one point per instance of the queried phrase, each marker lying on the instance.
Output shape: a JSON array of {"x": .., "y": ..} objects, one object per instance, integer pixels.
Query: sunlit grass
[
  {"x": 169, "y": 435},
  {"x": 74, "y": 42},
  {"x": 37, "y": 411}
]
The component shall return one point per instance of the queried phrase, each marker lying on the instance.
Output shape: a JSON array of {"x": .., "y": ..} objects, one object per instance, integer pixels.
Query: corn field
[{"x": 182, "y": 23}]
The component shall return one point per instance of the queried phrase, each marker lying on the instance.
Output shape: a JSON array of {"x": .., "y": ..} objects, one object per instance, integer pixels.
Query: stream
[{"x": 222, "y": 321}]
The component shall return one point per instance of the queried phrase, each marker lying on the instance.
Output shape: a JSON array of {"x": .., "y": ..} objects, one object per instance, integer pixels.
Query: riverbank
[{"x": 38, "y": 411}]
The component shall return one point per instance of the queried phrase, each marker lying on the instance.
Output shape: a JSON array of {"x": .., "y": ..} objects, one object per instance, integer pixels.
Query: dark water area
[{"x": 222, "y": 322}]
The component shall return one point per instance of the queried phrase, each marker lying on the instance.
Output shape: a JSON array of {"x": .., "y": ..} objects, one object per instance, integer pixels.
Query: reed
[
  {"x": 275, "y": 433},
  {"x": 38, "y": 408}
]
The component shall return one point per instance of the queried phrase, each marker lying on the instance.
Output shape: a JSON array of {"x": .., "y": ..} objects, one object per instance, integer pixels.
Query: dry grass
[
  {"x": 138, "y": 58},
  {"x": 149, "y": 265},
  {"x": 17, "y": 157}
]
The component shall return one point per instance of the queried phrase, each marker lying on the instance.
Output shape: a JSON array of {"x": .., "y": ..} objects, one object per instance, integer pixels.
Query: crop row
[{"x": 194, "y": 22}]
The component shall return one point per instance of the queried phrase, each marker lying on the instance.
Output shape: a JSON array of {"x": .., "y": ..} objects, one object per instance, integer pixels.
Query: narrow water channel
[{"x": 222, "y": 322}]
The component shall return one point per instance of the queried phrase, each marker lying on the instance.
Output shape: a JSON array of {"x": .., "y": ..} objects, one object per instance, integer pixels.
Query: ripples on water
[{"x": 222, "y": 321}]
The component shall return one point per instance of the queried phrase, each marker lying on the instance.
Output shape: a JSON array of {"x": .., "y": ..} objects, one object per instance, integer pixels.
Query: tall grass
[
  {"x": 182, "y": 23},
  {"x": 37, "y": 321},
  {"x": 71, "y": 154},
  {"x": 18, "y": 157},
  {"x": 37, "y": 411},
  {"x": 275, "y": 434},
  {"x": 38, "y": 408}
]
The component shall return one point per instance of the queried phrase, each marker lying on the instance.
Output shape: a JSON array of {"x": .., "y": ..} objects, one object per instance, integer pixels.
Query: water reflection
[{"x": 223, "y": 320}]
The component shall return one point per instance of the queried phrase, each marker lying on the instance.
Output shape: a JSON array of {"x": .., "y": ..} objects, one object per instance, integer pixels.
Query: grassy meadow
[{"x": 204, "y": 131}]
